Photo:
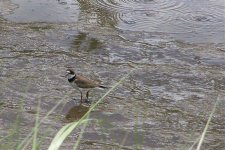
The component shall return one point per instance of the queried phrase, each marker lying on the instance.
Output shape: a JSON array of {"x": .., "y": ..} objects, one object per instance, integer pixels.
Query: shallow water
[{"x": 177, "y": 46}]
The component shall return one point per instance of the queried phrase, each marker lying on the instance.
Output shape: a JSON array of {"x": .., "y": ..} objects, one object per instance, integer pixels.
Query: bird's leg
[
  {"x": 87, "y": 94},
  {"x": 81, "y": 97}
]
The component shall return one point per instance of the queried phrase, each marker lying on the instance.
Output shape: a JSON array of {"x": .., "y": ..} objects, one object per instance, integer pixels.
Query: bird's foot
[
  {"x": 88, "y": 101},
  {"x": 74, "y": 99}
]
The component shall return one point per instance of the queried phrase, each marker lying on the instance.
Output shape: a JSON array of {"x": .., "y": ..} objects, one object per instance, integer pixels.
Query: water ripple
[
  {"x": 138, "y": 5},
  {"x": 190, "y": 18},
  {"x": 138, "y": 14}
]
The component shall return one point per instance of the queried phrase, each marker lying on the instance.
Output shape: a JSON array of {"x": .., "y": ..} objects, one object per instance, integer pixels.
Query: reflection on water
[
  {"x": 195, "y": 21},
  {"x": 92, "y": 15},
  {"x": 189, "y": 20},
  {"x": 82, "y": 42},
  {"x": 75, "y": 113}
]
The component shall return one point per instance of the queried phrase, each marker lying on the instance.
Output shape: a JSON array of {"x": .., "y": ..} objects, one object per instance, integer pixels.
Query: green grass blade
[
  {"x": 80, "y": 135},
  {"x": 207, "y": 124},
  {"x": 63, "y": 134},
  {"x": 23, "y": 145},
  {"x": 36, "y": 125},
  {"x": 196, "y": 141}
]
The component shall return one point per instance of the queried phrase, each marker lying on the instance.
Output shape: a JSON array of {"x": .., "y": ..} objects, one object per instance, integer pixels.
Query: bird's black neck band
[{"x": 72, "y": 79}]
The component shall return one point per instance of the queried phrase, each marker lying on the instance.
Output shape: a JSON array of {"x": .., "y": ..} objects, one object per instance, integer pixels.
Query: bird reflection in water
[{"x": 76, "y": 112}]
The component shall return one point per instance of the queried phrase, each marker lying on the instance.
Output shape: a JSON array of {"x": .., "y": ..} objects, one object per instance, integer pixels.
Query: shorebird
[{"x": 79, "y": 82}]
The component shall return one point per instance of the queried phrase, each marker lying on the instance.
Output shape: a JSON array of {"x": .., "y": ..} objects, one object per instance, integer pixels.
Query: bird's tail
[{"x": 104, "y": 87}]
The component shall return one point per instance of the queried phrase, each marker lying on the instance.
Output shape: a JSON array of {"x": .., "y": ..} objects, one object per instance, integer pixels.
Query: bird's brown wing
[{"x": 83, "y": 82}]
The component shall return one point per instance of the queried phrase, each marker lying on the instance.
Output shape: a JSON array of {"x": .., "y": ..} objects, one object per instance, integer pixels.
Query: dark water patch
[{"x": 44, "y": 11}]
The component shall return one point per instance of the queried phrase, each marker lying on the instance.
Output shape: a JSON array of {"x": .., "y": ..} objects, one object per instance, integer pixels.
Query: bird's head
[{"x": 70, "y": 73}]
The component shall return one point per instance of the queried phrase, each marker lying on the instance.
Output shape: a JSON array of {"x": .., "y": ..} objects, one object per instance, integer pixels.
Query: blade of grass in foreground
[
  {"x": 67, "y": 129},
  {"x": 63, "y": 134},
  {"x": 34, "y": 146},
  {"x": 80, "y": 135},
  {"x": 26, "y": 141},
  {"x": 207, "y": 124}
]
